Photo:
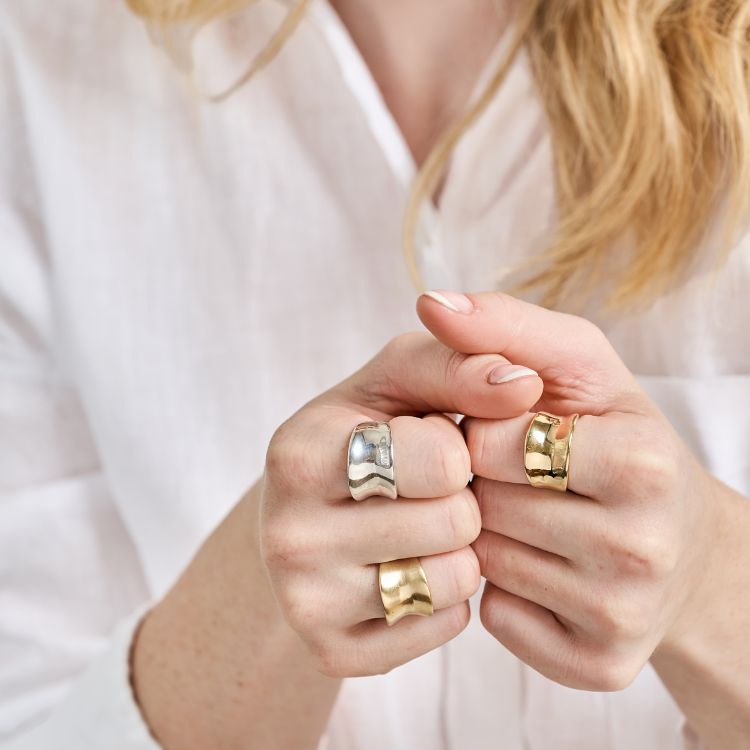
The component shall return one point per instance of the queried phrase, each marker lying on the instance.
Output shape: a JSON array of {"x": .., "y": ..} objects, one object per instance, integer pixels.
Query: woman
[{"x": 185, "y": 282}]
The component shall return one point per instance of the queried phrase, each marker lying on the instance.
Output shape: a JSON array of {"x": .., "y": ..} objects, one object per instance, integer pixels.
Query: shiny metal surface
[
  {"x": 547, "y": 450},
  {"x": 370, "y": 461},
  {"x": 404, "y": 589}
]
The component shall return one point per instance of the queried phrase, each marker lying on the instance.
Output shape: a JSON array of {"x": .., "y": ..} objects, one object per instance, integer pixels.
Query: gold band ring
[
  {"x": 404, "y": 589},
  {"x": 547, "y": 450}
]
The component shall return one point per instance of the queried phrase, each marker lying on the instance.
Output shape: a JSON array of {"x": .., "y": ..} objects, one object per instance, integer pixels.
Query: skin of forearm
[
  {"x": 215, "y": 665},
  {"x": 706, "y": 663}
]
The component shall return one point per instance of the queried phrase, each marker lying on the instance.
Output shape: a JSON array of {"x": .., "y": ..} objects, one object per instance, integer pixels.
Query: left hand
[{"x": 583, "y": 585}]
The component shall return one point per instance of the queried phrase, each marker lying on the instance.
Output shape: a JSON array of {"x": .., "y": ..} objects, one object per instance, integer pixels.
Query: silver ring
[{"x": 370, "y": 463}]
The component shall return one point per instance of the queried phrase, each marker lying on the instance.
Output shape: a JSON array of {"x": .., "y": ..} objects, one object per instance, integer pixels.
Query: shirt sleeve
[
  {"x": 99, "y": 711},
  {"x": 70, "y": 575}
]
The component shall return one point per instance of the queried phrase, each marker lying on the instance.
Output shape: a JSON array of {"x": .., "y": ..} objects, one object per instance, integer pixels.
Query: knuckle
[
  {"x": 277, "y": 454},
  {"x": 452, "y": 465},
  {"x": 607, "y": 613},
  {"x": 490, "y": 614},
  {"x": 492, "y": 500},
  {"x": 593, "y": 340},
  {"x": 479, "y": 488},
  {"x": 453, "y": 365},
  {"x": 286, "y": 545},
  {"x": 610, "y": 673},
  {"x": 438, "y": 460},
  {"x": 387, "y": 664},
  {"x": 289, "y": 463},
  {"x": 448, "y": 468},
  {"x": 651, "y": 466},
  {"x": 655, "y": 554},
  {"x": 462, "y": 519},
  {"x": 648, "y": 553},
  {"x": 333, "y": 662},
  {"x": 476, "y": 442},
  {"x": 384, "y": 373},
  {"x": 302, "y": 609},
  {"x": 381, "y": 660},
  {"x": 489, "y": 555},
  {"x": 397, "y": 351},
  {"x": 392, "y": 350},
  {"x": 454, "y": 620},
  {"x": 272, "y": 542},
  {"x": 399, "y": 345},
  {"x": 487, "y": 444},
  {"x": 588, "y": 329},
  {"x": 327, "y": 670},
  {"x": 302, "y": 615},
  {"x": 569, "y": 663},
  {"x": 619, "y": 618},
  {"x": 461, "y": 617},
  {"x": 466, "y": 575}
]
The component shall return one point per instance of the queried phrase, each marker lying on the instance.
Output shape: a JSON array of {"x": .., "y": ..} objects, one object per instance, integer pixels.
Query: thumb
[
  {"x": 569, "y": 352},
  {"x": 416, "y": 374}
]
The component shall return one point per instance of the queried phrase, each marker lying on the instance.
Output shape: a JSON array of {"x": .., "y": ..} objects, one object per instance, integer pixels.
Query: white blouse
[{"x": 177, "y": 277}]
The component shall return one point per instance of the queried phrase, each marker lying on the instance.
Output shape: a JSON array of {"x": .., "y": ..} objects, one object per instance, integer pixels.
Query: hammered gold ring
[
  {"x": 404, "y": 589},
  {"x": 547, "y": 450}
]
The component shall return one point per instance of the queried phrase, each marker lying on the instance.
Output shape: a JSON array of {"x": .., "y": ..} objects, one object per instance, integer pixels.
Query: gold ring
[
  {"x": 547, "y": 450},
  {"x": 404, "y": 589}
]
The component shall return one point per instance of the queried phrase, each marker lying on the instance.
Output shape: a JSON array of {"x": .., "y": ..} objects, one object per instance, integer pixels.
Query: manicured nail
[
  {"x": 454, "y": 301},
  {"x": 507, "y": 372}
]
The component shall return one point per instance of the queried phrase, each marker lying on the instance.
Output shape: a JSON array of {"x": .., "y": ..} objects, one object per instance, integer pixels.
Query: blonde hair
[{"x": 649, "y": 114}]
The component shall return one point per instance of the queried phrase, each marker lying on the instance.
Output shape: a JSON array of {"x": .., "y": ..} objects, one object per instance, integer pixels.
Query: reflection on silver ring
[{"x": 370, "y": 461}]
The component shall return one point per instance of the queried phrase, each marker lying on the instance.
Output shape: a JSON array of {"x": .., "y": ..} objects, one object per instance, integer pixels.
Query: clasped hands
[{"x": 584, "y": 586}]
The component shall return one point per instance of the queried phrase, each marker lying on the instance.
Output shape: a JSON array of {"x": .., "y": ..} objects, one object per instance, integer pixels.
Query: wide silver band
[{"x": 370, "y": 465}]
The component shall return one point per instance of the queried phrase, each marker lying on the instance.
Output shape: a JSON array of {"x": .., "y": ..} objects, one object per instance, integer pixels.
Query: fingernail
[
  {"x": 507, "y": 372},
  {"x": 454, "y": 301}
]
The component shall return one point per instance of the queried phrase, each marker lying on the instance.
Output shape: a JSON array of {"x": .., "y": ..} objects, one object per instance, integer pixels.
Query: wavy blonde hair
[{"x": 648, "y": 105}]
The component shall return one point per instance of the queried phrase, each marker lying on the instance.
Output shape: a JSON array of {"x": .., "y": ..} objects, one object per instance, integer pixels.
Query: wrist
[
  {"x": 701, "y": 660},
  {"x": 717, "y": 570},
  {"x": 214, "y": 663}
]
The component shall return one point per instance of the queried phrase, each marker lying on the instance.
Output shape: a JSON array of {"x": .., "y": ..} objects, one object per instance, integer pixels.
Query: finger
[
  {"x": 599, "y": 452},
  {"x": 566, "y": 346},
  {"x": 374, "y": 648},
  {"x": 430, "y": 456},
  {"x": 309, "y": 462},
  {"x": 415, "y": 374},
  {"x": 453, "y": 577},
  {"x": 562, "y": 523},
  {"x": 533, "y": 634},
  {"x": 541, "y": 577},
  {"x": 381, "y": 529}
]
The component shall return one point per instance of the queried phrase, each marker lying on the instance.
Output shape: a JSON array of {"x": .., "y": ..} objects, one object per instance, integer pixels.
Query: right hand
[{"x": 322, "y": 549}]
